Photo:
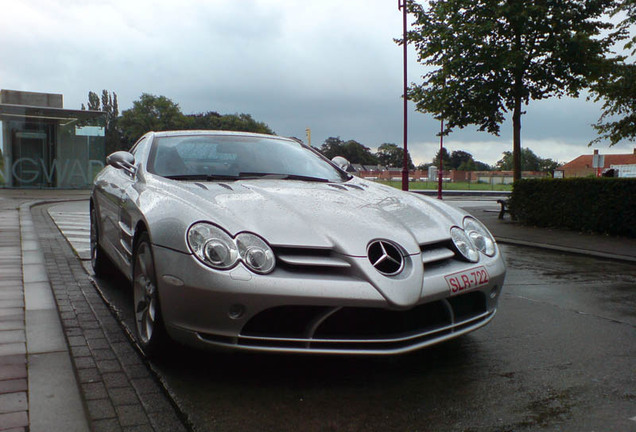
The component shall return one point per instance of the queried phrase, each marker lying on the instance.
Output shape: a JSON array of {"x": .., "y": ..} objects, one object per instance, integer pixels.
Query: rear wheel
[{"x": 151, "y": 333}]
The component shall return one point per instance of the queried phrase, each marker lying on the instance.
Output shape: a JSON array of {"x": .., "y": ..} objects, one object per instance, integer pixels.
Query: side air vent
[
  {"x": 436, "y": 252},
  {"x": 307, "y": 259}
]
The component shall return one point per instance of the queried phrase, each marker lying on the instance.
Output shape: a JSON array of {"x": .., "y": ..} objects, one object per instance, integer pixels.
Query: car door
[
  {"x": 107, "y": 196},
  {"x": 127, "y": 213}
]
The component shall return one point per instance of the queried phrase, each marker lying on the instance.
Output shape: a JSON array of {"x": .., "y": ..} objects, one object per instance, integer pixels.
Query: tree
[
  {"x": 628, "y": 7},
  {"x": 351, "y": 150},
  {"x": 93, "y": 102},
  {"x": 109, "y": 105},
  {"x": 150, "y": 113},
  {"x": 234, "y": 122},
  {"x": 113, "y": 134},
  {"x": 332, "y": 147},
  {"x": 359, "y": 153},
  {"x": 391, "y": 155},
  {"x": 529, "y": 162},
  {"x": 616, "y": 86},
  {"x": 461, "y": 160},
  {"x": 618, "y": 91},
  {"x": 491, "y": 57},
  {"x": 482, "y": 166},
  {"x": 468, "y": 165},
  {"x": 445, "y": 159}
]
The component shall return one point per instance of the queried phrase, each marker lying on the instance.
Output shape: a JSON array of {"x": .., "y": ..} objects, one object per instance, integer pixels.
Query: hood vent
[
  {"x": 354, "y": 187},
  {"x": 336, "y": 186}
]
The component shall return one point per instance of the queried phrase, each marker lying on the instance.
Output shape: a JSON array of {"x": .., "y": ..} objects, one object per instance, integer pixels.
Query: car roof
[{"x": 214, "y": 132}]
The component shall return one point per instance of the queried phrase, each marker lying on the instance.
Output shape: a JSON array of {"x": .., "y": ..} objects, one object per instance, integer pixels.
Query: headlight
[
  {"x": 479, "y": 235},
  {"x": 217, "y": 249},
  {"x": 213, "y": 246},
  {"x": 255, "y": 253},
  {"x": 464, "y": 244}
]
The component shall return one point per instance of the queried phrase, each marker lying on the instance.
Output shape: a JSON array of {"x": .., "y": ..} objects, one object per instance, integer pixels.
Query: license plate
[{"x": 467, "y": 280}]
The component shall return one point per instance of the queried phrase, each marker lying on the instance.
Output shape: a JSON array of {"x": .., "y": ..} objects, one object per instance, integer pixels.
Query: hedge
[{"x": 601, "y": 205}]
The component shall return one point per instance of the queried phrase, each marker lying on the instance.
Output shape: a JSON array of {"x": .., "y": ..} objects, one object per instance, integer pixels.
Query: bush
[{"x": 601, "y": 205}]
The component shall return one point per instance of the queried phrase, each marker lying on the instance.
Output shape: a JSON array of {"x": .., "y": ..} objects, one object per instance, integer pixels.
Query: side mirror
[
  {"x": 341, "y": 163},
  {"x": 122, "y": 160}
]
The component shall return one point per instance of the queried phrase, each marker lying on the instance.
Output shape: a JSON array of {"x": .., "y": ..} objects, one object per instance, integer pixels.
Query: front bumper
[{"x": 323, "y": 312}]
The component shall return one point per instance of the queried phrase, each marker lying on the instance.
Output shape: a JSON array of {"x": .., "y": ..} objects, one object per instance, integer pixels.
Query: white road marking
[{"x": 75, "y": 227}]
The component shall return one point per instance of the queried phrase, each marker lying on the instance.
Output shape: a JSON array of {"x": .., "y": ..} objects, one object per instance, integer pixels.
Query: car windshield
[{"x": 233, "y": 157}]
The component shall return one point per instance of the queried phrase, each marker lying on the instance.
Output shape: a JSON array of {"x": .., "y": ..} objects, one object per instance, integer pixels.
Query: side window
[
  {"x": 140, "y": 150},
  {"x": 137, "y": 145}
]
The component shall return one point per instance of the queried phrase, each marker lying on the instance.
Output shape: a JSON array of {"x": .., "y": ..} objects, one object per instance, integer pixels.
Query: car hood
[{"x": 343, "y": 217}]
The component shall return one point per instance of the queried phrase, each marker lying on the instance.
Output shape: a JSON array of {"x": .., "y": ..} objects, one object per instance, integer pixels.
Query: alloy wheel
[{"x": 145, "y": 294}]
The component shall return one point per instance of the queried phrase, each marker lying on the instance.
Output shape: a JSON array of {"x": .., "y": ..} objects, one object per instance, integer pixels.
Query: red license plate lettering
[{"x": 467, "y": 280}]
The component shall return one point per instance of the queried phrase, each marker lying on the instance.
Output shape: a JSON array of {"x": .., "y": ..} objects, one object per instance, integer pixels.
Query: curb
[
  {"x": 183, "y": 416},
  {"x": 54, "y": 399},
  {"x": 464, "y": 193},
  {"x": 570, "y": 250},
  {"x": 119, "y": 389}
]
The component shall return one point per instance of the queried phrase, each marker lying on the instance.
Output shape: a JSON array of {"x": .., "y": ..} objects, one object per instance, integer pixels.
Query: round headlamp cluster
[
  {"x": 473, "y": 239},
  {"x": 217, "y": 249}
]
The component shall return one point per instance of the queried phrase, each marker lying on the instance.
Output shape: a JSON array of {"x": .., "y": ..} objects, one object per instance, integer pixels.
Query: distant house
[
  {"x": 585, "y": 166},
  {"x": 356, "y": 168},
  {"x": 373, "y": 169}
]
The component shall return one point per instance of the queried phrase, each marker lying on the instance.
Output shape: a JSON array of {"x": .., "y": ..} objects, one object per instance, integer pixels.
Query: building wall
[
  {"x": 579, "y": 172},
  {"x": 43, "y": 145},
  {"x": 14, "y": 97},
  {"x": 583, "y": 166},
  {"x": 489, "y": 177}
]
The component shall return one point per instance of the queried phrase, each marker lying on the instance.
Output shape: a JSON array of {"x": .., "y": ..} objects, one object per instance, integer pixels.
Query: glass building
[{"x": 43, "y": 145}]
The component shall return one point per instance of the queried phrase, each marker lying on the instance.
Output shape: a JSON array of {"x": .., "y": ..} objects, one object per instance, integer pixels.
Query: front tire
[
  {"x": 102, "y": 267},
  {"x": 151, "y": 334}
]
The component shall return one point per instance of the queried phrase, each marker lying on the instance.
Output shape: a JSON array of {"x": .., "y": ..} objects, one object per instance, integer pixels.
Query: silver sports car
[{"x": 256, "y": 242}]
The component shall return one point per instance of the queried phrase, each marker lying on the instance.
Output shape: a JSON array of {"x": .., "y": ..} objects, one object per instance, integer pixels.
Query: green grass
[{"x": 419, "y": 185}]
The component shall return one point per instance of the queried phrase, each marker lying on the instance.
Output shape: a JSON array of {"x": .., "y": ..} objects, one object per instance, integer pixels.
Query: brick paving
[
  {"x": 66, "y": 364},
  {"x": 120, "y": 391},
  {"x": 14, "y": 410}
]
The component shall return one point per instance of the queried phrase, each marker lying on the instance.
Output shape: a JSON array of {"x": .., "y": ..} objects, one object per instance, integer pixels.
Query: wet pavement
[
  {"x": 544, "y": 362},
  {"x": 558, "y": 356},
  {"x": 66, "y": 363}
]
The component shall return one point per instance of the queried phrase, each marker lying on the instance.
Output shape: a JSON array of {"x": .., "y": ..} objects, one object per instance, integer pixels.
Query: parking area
[{"x": 556, "y": 357}]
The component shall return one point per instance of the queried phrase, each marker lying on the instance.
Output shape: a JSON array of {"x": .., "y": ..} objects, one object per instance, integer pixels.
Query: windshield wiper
[
  {"x": 201, "y": 177},
  {"x": 245, "y": 176},
  {"x": 276, "y": 176}
]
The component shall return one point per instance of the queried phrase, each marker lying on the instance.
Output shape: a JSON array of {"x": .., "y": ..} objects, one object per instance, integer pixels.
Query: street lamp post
[
  {"x": 441, "y": 161},
  {"x": 405, "y": 165}
]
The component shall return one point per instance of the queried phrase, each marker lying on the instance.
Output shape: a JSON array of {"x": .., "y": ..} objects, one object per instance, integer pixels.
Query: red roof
[{"x": 585, "y": 161}]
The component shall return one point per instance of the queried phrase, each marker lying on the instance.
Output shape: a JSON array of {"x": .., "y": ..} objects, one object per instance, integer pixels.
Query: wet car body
[{"x": 356, "y": 267}]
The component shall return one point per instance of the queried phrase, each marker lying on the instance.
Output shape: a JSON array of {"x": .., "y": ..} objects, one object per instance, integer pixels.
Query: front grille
[
  {"x": 309, "y": 328},
  {"x": 436, "y": 254},
  {"x": 320, "y": 260},
  {"x": 310, "y": 260}
]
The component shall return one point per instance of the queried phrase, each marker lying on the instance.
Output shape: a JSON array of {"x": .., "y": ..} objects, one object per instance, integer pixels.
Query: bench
[{"x": 504, "y": 208}]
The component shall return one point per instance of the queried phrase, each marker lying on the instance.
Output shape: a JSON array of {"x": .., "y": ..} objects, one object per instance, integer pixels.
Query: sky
[{"x": 328, "y": 65}]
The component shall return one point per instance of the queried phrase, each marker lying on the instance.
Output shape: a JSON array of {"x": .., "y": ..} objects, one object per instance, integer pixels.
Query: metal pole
[
  {"x": 405, "y": 165},
  {"x": 441, "y": 161}
]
